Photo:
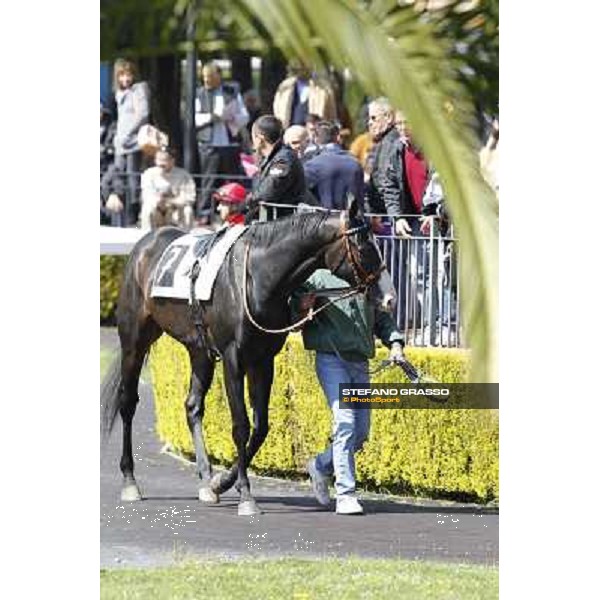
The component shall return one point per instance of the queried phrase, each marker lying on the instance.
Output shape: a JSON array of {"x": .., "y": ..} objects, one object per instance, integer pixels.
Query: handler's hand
[
  {"x": 397, "y": 353},
  {"x": 403, "y": 228},
  {"x": 307, "y": 301}
]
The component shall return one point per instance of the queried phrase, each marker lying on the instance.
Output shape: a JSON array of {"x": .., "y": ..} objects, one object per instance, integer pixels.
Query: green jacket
[{"x": 348, "y": 325}]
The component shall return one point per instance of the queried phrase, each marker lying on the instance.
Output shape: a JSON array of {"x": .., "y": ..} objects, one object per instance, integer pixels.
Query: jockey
[{"x": 231, "y": 199}]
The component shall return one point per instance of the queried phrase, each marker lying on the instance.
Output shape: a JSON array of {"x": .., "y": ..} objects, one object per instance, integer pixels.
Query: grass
[{"x": 295, "y": 579}]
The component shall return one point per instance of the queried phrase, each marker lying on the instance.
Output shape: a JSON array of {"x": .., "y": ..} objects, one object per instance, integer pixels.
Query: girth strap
[{"x": 197, "y": 312}]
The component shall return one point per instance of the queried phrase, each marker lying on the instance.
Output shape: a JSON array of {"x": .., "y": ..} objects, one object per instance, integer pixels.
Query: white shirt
[
  {"x": 234, "y": 116},
  {"x": 177, "y": 182},
  {"x": 303, "y": 89}
]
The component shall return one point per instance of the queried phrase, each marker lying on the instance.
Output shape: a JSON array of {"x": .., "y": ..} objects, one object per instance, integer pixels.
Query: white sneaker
[
  {"x": 348, "y": 505},
  {"x": 319, "y": 483}
]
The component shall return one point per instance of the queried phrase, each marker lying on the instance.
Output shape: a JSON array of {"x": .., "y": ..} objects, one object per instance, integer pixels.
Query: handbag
[{"x": 150, "y": 140}]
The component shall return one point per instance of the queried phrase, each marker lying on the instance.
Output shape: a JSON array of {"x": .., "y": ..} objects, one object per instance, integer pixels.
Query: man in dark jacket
[
  {"x": 333, "y": 173},
  {"x": 388, "y": 191},
  {"x": 281, "y": 176},
  {"x": 397, "y": 186}
]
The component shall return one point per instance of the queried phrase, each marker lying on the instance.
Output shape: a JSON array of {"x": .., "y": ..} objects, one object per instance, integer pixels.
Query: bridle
[{"x": 363, "y": 279}]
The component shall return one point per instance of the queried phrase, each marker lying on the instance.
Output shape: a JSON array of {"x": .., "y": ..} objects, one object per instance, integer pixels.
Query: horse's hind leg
[
  {"x": 234, "y": 383},
  {"x": 260, "y": 380},
  {"x": 135, "y": 344},
  {"x": 203, "y": 369}
]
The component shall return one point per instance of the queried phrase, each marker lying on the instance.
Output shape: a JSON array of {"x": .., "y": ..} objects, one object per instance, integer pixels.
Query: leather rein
[{"x": 363, "y": 277}]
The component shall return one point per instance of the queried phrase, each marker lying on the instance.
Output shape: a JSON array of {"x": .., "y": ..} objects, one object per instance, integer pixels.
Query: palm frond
[{"x": 412, "y": 67}]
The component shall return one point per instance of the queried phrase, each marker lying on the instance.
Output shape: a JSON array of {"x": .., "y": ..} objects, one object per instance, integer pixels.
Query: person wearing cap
[
  {"x": 231, "y": 202},
  {"x": 168, "y": 193}
]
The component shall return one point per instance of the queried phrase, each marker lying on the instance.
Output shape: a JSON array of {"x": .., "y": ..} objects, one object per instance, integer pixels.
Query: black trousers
[
  {"x": 405, "y": 262},
  {"x": 123, "y": 178},
  {"x": 217, "y": 163}
]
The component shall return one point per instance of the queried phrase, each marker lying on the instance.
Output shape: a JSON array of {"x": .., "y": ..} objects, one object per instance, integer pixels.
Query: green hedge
[
  {"x": 111, "y": 273},
  {"x": 437, "y": 453}
]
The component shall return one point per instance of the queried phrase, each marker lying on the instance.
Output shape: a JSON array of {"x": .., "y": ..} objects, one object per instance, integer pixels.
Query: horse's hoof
[
  {"x": 206, "y": 495},
  {"x": 247, "y": 508},
  {"x": 131, "y": 493},
  {"x": 216, "y": 482}
]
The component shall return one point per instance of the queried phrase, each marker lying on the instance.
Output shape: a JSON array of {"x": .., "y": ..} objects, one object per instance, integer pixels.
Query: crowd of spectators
[
  {"x": 262, "y": 161},
  {"x": 297, "y": 152}
]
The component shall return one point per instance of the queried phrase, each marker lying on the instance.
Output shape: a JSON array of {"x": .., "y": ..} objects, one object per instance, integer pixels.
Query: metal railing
[
  {"x": 424, "y": 272},
  {"x": 423, "y": 269},
  {"x": 128, "y": 187}
]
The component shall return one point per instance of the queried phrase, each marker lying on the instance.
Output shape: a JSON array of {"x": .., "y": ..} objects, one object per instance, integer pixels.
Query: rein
[
  {"x": 366, "y": 279},
  {"x": 311, "y": 312},
  {"x": 358, "y": 271},
  {"x": 360, "y": 275}
]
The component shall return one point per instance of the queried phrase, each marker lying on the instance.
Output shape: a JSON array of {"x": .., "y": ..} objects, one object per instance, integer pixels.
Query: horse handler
[{"x": 343, "y": 337}]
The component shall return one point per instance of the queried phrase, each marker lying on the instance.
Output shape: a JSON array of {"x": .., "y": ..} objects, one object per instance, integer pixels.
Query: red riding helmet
[{"x": 231, "y": 193}]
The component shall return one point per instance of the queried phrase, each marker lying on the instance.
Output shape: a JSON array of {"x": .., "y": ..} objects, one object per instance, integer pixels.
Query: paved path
[{"x": 171, "y": 524}]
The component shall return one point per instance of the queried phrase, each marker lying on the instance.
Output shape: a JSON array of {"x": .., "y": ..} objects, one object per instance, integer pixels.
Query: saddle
[
  {"x": 201, "y": 250},
  {"x": 205, "y": 243},
  {"x": 199, "y": 253}
]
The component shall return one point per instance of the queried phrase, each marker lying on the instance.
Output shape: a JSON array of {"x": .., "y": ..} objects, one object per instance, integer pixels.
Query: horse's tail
[{"x": 110, "y": 397}]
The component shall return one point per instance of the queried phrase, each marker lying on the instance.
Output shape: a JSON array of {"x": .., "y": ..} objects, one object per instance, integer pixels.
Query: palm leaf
[{"x": 400, "y": 56}]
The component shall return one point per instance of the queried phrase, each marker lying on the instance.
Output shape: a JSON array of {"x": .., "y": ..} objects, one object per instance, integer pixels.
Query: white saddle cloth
[{"x": 172, "y": 276}]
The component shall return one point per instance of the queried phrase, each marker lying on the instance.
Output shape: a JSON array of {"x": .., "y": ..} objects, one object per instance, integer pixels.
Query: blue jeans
[{"x": 350, "y": 425}]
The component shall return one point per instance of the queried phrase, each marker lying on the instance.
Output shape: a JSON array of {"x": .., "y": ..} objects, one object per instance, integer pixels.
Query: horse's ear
[{"x": 352, "y": 206}]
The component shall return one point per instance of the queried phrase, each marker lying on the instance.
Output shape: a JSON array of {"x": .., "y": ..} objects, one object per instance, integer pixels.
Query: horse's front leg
[{"x": 234, "y": 384}]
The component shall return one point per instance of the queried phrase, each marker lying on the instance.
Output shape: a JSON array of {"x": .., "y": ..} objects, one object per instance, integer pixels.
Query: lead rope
[
  {"x": 411, "y": 372},
  {"x": 309, "y": 317},
  {"x": 197, "y": 312}
]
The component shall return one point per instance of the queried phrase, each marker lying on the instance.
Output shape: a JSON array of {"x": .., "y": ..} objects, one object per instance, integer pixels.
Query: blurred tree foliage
[{"x": 149, "y": 28}]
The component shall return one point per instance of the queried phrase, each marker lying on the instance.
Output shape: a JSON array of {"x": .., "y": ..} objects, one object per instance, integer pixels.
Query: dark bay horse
[{"x": 273, "y": 259}]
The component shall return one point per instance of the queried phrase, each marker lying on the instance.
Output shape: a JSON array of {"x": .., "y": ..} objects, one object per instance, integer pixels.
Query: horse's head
[{"x": 356, "y": 258}]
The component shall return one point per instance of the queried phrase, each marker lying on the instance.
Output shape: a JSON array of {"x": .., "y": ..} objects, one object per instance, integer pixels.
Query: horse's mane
[{"x": 296, "y": 226}]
